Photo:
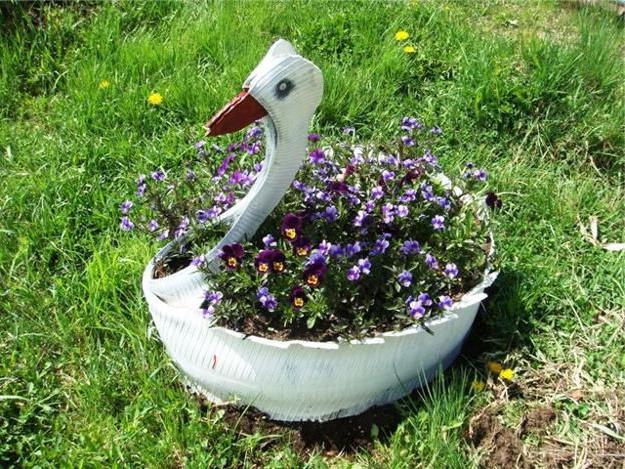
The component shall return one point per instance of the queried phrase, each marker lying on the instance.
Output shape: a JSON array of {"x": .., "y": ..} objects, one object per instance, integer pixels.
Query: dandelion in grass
[
  {"x": 507, "y": 374},
  {"x": 104, "y": 84},
  {"x": 401, "y": 35},
  {"x": 477, "y": 385},
  {"x": 409, "y": 49},
  {"x": 494, "y": 367},
  {"x": 155, "y": 99}
]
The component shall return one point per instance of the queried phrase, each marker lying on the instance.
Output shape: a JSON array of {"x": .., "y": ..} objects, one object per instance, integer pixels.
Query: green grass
[{"x": 534, "y": 91}]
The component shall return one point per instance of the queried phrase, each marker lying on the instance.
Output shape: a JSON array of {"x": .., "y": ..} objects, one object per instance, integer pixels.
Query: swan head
[{"x": 284, "y": 88}]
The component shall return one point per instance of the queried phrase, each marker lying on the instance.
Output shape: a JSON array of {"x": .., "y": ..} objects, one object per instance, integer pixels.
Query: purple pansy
[
  {"x": 291, "y": 226},
  {"x": 199, "y": 261},
  {"x": 313, "y": 137},
  {"x": 159, "y": 175},
  {"x": 377, "y": 192},
  {"x": 438, "y": 222},
  {"x": 380, "y": 246},
  {"x": 232, "y": 254},
  {"x": 353, "y": 273},
  {"x": 297, "y": 297},
  {"x": 405, "y": 279},
  {"x": 388, "y": 213},
  {"x": 415, "y": 307},
  {"x": 431, "y": 261},
  {"x": 317, "y": 156},
  {"x": 407, "y": 141},
  {"x": 269, "y": 241},
  {"x": 410, "y": 247},
  {"x": 314, "y": 274},
  {"x": 445, "y": 302},
  {"x": 364, "y": 265},
  {"x": 451, "y": 270},
  {"x": 152, "y": 225},
  {"x": 266, "y": 299},
  {"x": 126, "y": 224},
  {"x": 182, "y": 228},
  {"x": 125, "y": 206},
  {"x": 402, "y": 211}
]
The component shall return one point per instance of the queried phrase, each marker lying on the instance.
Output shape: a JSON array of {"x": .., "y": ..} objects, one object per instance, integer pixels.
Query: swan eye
[{"x": 283, "y": 88}]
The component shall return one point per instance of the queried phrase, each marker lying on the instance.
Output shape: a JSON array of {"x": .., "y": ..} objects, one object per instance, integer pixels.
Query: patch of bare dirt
[{"x": 343, "y": 436}]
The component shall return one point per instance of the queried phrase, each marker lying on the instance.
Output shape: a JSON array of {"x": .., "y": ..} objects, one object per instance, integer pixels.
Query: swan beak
[{"x": 238, "y": 113}]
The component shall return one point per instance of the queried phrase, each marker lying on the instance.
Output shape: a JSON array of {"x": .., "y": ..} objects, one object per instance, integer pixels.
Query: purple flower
[
  {"x": 331, "y": 213},
  {"x": 323, "y": 196},
  {"x": 445, "y": 302},
  {"x": 325, "y": 247},
  {"x": 269, "y": 241},
  {"x": 380, "y": 246},
  {"x": 443, "y": 202},
  {"x": 364, "y": 265},
  {"x": 402, "y": 211},
  {"x": 232, "y": 254},
  {"x": 410, "y": 247},
  {"x": 213, "y": 297},
  {"x": 424, "y": 299},
  {"x": 198, "y": 261},
  {"x": 159, "y": 175},
  {"x": 357, "y": 157},
  {"x": 436, "y": 131},
  {"x": 335, "y": 250},
  {"x": 163, "y": 235},
  {"x": 314, "y": 137},
  {"x": 291, "y": 226},
  {"x": 266, "y": 299},
  {"x": 182, "y": 227},
  {"x": 409, "y": 196},
  {"x": 415, "y": 308},
  {"x": 204, "y": 215},
  {"x": 301, "y": 246},
  {"x": 254, "y": 132},
  {"x": 451, "y": 270},
  {"x": 388, "y": 175},
  {"x": 493, "y": 201},
  {"x": 349, "y": 131},
  {"x": 480, "y": 175},
  {"x": 429, "y": 158},
  {"x": 125, "y": 206},
  {"x": 208, "y": 311},
  {"x": 317, "y": 156},
  {"x": 353, "y": 273},
  {"x": 199, "y": 145},
  {"x": 426, "y": 192},
  {"x": 407, "y": 141},
  {"x": 297, "y": 297},
  {"x": 377, "y": 192},
  {"x": 153, "y": 225},
  {"x": 352, "y": 249},
  {"x": 314, "y": 274},
  {"x": 225, "y": 163},
  {"x": 270, "y": 260},
  {"x": 410, "y": 123},
  {"x": 361, "y": 218},
  {"x": 388, "y": 213},
  {"x": 438, "y": 222},
  {"x": 126, "y": 224},
  {"x": 369, "y": 205},
  {"x": 431, "y": 261},
  {"x": 405, "y": 279}
]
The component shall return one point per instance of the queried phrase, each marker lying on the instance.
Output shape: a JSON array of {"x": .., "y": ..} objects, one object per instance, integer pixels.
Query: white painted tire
[{"x": 299, "y": 380}]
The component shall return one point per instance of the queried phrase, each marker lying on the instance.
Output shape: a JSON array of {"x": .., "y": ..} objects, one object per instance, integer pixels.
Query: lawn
[{"x": 532, "y": 91}]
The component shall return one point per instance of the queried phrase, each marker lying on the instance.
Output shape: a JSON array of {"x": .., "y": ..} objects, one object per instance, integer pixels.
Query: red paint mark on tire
[{"x": 214, "y": 362}]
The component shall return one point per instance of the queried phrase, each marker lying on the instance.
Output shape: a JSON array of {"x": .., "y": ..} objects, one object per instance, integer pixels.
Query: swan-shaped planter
[{"x": 291, "y": 380}]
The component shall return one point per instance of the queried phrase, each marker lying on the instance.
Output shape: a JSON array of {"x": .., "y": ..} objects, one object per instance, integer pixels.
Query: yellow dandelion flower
[
  {"x": 401, "y": 35},
  {"x": 104, "y": 84},
  {"x": 409, "y": 49},
  {"x": 507, "y": 374},
  {"x": 477, "y": 385},
  {"x": 494, "y": 367},
  {"x": 155, "y": 99}
]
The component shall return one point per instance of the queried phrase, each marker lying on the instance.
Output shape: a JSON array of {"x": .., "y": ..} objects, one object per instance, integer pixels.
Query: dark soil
[
  {"x": 503, "y": 447},
  {"x": 170, "y": 265},
  {"x": 346, "y": 435}
]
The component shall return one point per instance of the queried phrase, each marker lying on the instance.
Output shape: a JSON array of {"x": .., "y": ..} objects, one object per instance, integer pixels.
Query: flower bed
[{"x": 371, "y": 238}]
